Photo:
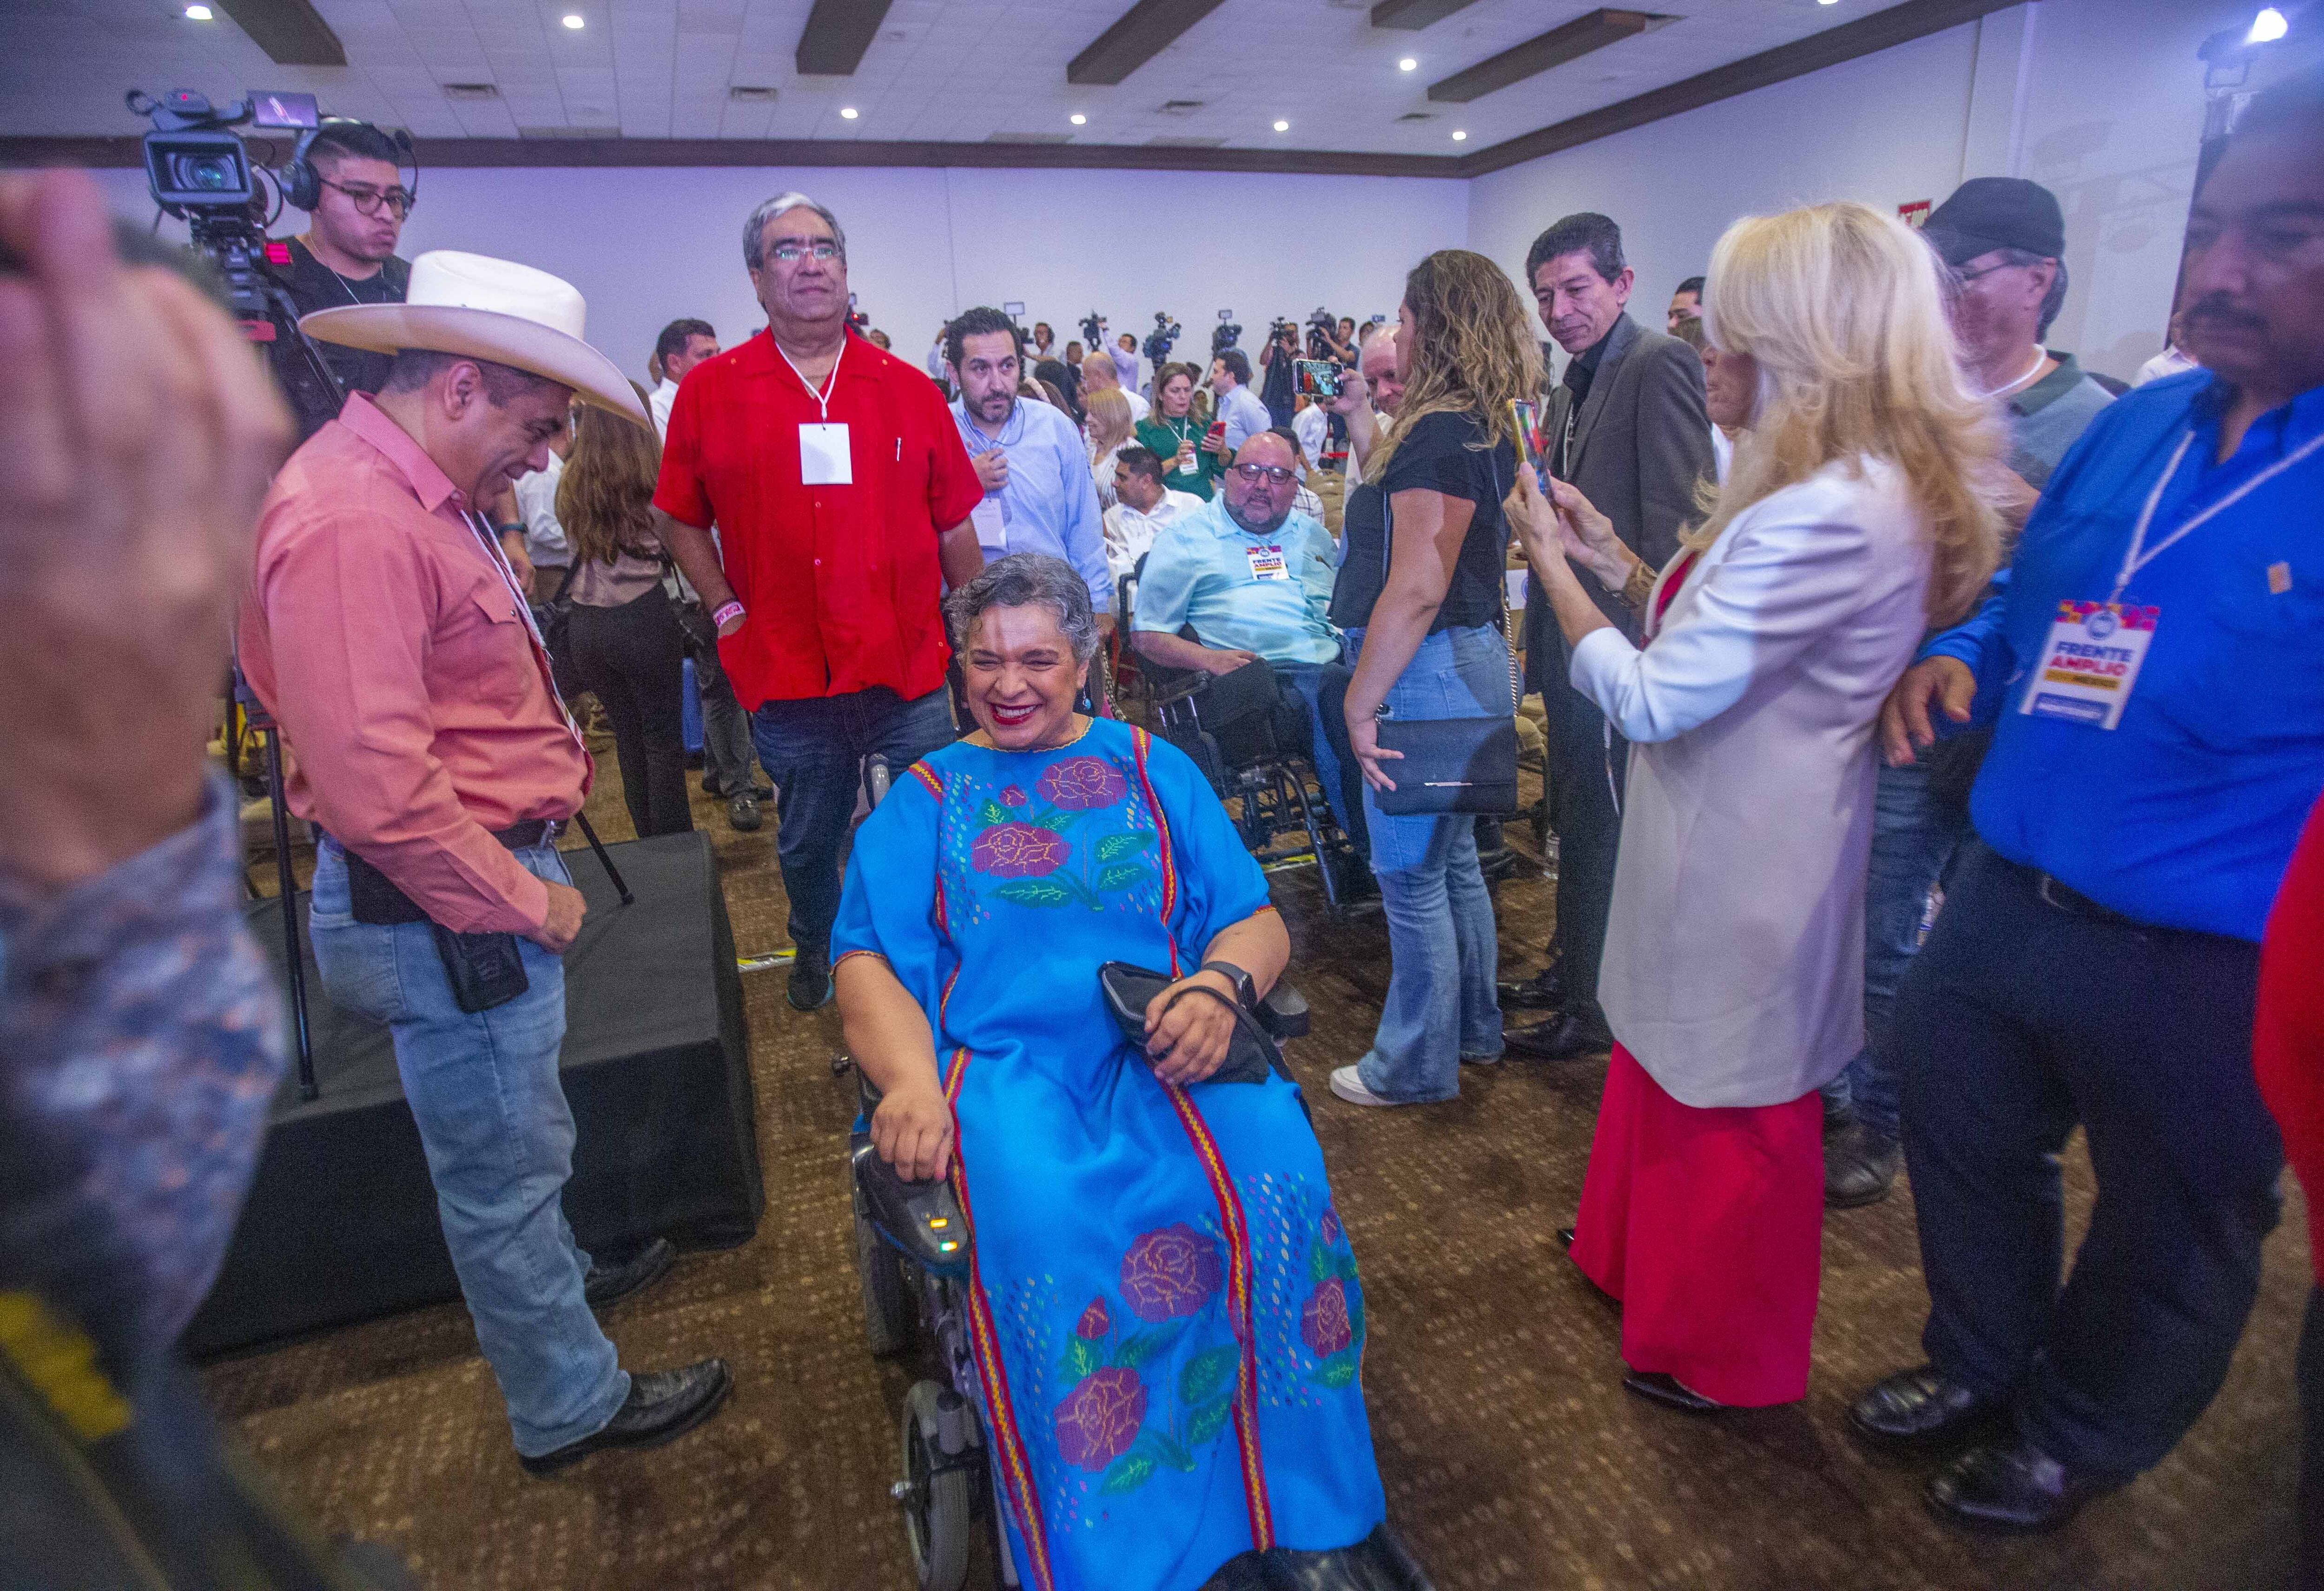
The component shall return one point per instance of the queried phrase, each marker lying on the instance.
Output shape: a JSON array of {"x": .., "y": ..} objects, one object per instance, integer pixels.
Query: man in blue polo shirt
[
  {"x": 1252, "y": 577},
  {"x": 2153, "y": 670}
]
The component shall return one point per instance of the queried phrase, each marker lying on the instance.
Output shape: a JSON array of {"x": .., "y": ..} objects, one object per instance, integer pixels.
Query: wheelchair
[{"x": 911, "y": 1252}]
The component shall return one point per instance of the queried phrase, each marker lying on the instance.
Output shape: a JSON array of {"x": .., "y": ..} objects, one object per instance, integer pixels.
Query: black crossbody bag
[{"x": 1449, "y": 765}]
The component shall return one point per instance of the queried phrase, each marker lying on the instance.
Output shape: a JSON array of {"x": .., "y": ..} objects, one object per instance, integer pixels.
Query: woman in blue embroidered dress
[{"x": 1167, "y": 1320}]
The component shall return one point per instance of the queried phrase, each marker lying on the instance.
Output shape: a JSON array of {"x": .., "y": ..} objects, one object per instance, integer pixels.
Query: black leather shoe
[
  {"x": 1379, "y": 1562},
  {"x": 607, "y": 1284},
  {"x": 742, "y": 813},
  {"x": 1922, "y": 1410},
  {"x": 1564, "y": 1236},
  {"x": 811, "y": 980},
  {"x": 1658, "y": 1388},
  {"x": 1858, "y": 1169},
  {"x": 2010, "y": 1486},
  {"x": 1564, "y": 1037},
  {"x": 711, "y": 784},
  {"x": 1543, "y": 992},
  {"x": 663, "y": 1405}
]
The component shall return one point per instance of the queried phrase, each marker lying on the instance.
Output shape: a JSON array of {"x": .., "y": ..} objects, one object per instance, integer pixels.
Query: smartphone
[
  {"x": 1317, "y": 377},
  {"x": 1216, "y": 434},
  {"x": 1527, "y": 421}
]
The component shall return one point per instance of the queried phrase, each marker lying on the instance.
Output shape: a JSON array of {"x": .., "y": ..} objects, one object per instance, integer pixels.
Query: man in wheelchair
[
  {"x": 1164, "y": 1323},
  {"x": 1251, "y": 578}
]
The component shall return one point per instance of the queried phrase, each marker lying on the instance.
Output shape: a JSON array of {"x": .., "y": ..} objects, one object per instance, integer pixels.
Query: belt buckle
[{"x": 550, "y": 828}]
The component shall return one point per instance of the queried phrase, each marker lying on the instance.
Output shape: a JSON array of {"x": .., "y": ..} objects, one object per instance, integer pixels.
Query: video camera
[
  {"x": 1279, "y": 330},
  {"x": 1159, "y": 340},
  {"x": 1093, "y": 330},
  {"x": 200, "y": 172},
  {"x": 1321, "y": 331},
  {"x": 1226, "y": 334}
]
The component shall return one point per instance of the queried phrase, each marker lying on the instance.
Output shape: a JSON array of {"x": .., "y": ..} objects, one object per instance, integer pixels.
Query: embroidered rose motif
[
  {"x": 1100, "y": 1418},
  {"x": 1080, "y": 784},
  {"x": 1095, "y": 1322},
  {"x": 1323, "y": 1323},
  {"x": 1170, "y": 1273},
  {"x": 1333, "y": 1231},
  {"x": 1012, "y": 796},
  {"x": 1016, "y": 850}
]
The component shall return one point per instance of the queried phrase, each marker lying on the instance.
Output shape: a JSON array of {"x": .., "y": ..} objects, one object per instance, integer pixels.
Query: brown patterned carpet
[{"x": 1510, "y": 1454}]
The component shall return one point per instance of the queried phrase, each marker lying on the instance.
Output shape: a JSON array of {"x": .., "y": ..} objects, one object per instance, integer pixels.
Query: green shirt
[{"x": 1163, "y": 435}]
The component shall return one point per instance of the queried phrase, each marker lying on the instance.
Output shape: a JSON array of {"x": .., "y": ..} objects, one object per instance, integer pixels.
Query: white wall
[
  {"x": 2101, "y": 100},
  {"x": 647, "y": 245}
]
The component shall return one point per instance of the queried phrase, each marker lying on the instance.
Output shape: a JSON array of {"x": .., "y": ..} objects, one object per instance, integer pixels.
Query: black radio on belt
[{"x": 485, "y": 970}]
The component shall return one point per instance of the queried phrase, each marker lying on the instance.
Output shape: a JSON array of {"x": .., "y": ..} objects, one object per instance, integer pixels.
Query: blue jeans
[
  {"x": 813, "y": 750},
  {"x": 492, "y": 1118},
  {"x": 1310, "y": 679},
  {"x": 1913, "y": 836},
  {"x": 1442, "y": 947}
]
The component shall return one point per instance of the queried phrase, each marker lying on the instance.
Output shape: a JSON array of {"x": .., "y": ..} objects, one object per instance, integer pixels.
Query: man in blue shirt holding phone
[{"x": 2153, "y": 671}]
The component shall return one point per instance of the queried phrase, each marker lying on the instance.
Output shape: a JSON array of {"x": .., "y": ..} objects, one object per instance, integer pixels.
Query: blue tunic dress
[{"x": 1168, "y": 1326}]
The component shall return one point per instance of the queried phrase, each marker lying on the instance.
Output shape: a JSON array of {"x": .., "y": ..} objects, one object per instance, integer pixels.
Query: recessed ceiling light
[
  {"x": 573, "y": 20},
  {"x": 1283, "y": 126},
  {"x": 198, "y": 13},
  {"x": 2267, "y": 27},
  {"x": 1408, "y": 65},
  {"x": 1827, "y": 2},
  {"x": 847, "y": 112},
  {"x": 1459, "y": 136},
  {"x": 1079, "y": 121}
]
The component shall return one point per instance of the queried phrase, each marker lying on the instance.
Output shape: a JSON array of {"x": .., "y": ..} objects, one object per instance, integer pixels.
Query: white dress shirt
[
  {"x": 664, "y": 394},
  {"x": 536, "y": 501},
  {"x": 1130, "y": 534},
  {"x": 1734, "y": 960}
]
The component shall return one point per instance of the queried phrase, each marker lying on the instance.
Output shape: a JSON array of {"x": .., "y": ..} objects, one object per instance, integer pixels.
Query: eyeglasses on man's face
[
  {"x": 791, "y": 251},
  {"x": 1271, "y": 474},
  {"x": 367, "y": 200}
]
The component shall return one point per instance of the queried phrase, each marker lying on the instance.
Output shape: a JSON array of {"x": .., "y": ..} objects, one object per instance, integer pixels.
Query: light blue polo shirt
[{"x": 1207, "y": 571}]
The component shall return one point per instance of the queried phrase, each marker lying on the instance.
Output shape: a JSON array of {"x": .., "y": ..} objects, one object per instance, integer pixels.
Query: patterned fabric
[
  {"x": 1168, "y": 1319},
  {"x": 140, "y": 1028}
]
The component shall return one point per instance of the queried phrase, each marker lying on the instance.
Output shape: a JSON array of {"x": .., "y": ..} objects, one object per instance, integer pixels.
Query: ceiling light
[
  {"x": 1827, "y": 2},
  {"x": 847, "y": 112},
  {"x": 1283, "y": 126},
  {"x": 1079, "y": 120},
  {"x": 1459, "y": 136},
  {"x": 1408, "y": 65},
  {"x": 2267, "y": 27},
  {"x": 573, "y": 20},
  {"x": 202, "y": 13}
]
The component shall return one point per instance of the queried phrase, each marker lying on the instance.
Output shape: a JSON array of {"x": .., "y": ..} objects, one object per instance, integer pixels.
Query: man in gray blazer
[{"x": 1628, "y": 427}]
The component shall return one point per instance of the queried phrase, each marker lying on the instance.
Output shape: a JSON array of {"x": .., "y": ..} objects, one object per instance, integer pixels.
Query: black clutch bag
[
  {"x": 1128, "y": 991},
  {"x": 1450, "y": 765}
]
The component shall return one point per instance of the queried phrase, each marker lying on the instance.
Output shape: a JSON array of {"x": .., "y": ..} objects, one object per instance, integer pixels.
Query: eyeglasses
[
  {"x": 1273, "y": 475},
  {"x": 367, "y": 200},
  {"x": 1963, "y": 278},
  {"x": 791, "y": 253}
]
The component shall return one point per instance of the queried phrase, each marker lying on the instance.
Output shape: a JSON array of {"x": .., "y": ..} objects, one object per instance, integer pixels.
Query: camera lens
[{"x": 208, "y": 173}]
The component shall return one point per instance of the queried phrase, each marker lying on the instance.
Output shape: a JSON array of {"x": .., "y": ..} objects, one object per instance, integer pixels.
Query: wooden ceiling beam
[
  {"x": 836, "y": 35},
  {"x": 1412, "y": 15},
  {"x": 1593, "y": 30},
  {"x": 1136, "y": 36},
  {"x": 292, "y": 32}
]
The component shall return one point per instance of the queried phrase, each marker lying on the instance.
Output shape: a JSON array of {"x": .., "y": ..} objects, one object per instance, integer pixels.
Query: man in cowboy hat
[{"x": 385, "y": 632}]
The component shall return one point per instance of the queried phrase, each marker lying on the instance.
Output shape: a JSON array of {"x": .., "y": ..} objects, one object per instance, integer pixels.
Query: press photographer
[
  {"x": 345, "y": 176},
  {"x": 1276, "y": 390}
]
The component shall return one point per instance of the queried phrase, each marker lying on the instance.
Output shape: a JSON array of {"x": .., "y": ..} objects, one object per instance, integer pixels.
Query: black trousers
[
  {"x": 632, "y": 657},
  {"x": 1586, "y": 759},
  {"x": 2310, "y": 1576},
  {"x": 2017, "y": 1021}
]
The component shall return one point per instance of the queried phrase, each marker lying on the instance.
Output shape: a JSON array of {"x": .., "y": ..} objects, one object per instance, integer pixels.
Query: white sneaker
[{"x": 1350, "y": 1087}]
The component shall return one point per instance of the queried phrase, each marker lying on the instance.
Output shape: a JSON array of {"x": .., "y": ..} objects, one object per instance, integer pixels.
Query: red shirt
[
  {"x": 2288, "y": 1044},
  {"x": 389, "y": 643},
  {"x": 842, "y": 582}
]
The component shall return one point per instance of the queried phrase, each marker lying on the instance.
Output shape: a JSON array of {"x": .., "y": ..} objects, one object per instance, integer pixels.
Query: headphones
[{"x": 302, "y": 185}]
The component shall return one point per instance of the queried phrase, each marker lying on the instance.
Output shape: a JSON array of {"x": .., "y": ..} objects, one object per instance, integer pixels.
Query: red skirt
[{"x": 1708, "y": 1225}]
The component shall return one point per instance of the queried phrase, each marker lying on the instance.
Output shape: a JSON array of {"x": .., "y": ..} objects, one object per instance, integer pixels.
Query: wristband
[{"x": 733, "y": 609}]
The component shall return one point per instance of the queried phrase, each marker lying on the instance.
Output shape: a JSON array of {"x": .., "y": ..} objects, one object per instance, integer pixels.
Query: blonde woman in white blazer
[{"x": 1859, "y": 509}]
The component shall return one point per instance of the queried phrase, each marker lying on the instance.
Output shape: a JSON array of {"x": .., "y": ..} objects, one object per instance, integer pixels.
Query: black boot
[
  {"x": 1566, "y": 1036},
  {"x": 810, "y": 979},
  {"x": 1859, "y": 1168},
  {"x": 663, "y": 1405},
  {"x": 609, "y": 1284}
]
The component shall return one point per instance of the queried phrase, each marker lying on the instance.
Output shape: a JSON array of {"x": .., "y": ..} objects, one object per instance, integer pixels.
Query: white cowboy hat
[{"x": 486, "y": 308}]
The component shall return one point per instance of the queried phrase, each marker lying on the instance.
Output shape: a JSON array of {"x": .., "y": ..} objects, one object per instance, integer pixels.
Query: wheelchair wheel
[
  {"x": 943, "y": 1470},
  {"x": 891, "y": 1317}
]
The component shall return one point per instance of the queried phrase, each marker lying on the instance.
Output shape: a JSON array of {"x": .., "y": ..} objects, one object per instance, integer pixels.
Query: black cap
[{"x": 1989, "y": 213}]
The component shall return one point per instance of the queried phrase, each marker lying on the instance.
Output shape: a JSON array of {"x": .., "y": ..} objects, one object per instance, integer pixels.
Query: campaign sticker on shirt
[
  {"x": 825, "y": 459},
  {"x": 1267, "y": 562},
  {"x": 2090, "y": 662}
]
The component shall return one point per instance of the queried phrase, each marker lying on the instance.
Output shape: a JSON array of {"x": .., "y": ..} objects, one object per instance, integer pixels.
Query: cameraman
[
  {"x": 1277, "y": 357},
  {"x": 347, "y": 253}
]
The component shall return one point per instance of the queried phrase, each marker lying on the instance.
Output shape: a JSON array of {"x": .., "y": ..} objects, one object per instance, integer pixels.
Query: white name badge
[
  {"x": 825, "y": 459},
  {"x": 2090, "y": 662},
  {"x": 992, "y": 525},
  {"x": 1266, "y": 562}
]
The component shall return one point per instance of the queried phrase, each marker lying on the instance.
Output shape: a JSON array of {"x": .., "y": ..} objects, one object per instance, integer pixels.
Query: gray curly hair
[{"x": 1021, "y": 580}]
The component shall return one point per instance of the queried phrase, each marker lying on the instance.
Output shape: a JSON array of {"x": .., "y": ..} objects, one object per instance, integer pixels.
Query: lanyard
[
  {"x": 2140, "y": 555},
  {"x": 974, "y": 434},
  {"x": 823, "y": 398},
  {"x": 524, "y": 608}
]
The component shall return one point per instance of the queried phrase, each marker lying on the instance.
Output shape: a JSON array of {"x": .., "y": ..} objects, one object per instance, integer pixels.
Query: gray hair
[
  {"x": 1021, "y": 580},
  {"x": 755, "y": 230}
]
